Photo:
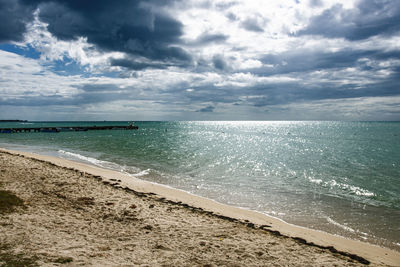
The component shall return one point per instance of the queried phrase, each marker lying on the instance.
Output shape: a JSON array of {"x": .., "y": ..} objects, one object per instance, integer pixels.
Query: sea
[{"x": 338, "y": 177}]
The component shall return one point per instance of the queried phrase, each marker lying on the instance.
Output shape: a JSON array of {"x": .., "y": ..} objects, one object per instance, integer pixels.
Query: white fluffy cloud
[{"x": 79, "y": 50}]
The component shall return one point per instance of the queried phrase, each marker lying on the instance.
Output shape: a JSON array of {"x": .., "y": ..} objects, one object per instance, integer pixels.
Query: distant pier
[
  {"x": 66, "y": 129},
  {"x": 13, "y": 121}
]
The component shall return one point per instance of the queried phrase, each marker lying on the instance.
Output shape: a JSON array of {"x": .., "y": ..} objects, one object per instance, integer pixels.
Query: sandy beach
[{"x": 55, "y": 211}]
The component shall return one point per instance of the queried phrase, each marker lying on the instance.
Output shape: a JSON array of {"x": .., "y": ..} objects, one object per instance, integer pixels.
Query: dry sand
[{"x": 76, "y": 214}]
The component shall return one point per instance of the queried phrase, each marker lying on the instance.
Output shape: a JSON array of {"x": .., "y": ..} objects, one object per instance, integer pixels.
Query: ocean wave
[
  {"x": 316, "y": 181},
  {"x": 133, "y": 171},
  {"x": 142, "y": 173},
  {"x": 344, "y": 227},
  {"x": 84, "y": 158},
  {"x": 274, "y": 213},
  {"x": 361, "y": 234},
  {"x": 351, "y": 188}
]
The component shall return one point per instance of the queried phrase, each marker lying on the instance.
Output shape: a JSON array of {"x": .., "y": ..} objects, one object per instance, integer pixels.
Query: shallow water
[{"x": 339, "y": 177}]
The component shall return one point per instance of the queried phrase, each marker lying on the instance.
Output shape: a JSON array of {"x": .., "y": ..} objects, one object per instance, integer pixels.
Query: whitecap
[{"x": 316, "y": 181}]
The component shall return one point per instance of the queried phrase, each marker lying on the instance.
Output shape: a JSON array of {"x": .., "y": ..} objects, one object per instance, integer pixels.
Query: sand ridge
[{"x": 85, "y": 219}]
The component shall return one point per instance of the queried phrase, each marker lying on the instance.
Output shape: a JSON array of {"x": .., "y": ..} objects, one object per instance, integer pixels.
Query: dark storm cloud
[
  {"x": 138, "y": 28},
  {"x": 126, "y": 26},
  {"x": 13, "y": 19},
  {"x": 369, "y": 18}
]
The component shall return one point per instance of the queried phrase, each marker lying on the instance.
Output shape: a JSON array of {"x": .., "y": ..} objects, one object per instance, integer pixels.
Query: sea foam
[{"x": 133, "y": 171}]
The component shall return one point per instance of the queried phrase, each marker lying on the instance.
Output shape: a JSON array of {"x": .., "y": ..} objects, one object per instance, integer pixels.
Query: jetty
[
  {"x": 13, "y": 121},
  {"x": 66, "y": 129}
]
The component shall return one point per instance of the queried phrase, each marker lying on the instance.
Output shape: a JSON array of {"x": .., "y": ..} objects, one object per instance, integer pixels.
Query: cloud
[
  {"x": 316, "y": 3},
  {"x": 303, "y": 60},
  {"x": 252, "y": 24},
  {"x": 207, "y": 38},
  {"x": 125, "y": 26},
  {"x": 133, "y": 64},
  {"x": 363, "y": 108},
  {"x": 226, "y": 5},
  {"x": 219, "y": 62},
  {"x": 369, "y": 18},
  {"x": 174, "y": 60},
  {"x": 137, "y": 28},
  {"x": 152, "y": 92},
  {"x": 13, "y": 19},
  {"x": 207, "y": 109}
]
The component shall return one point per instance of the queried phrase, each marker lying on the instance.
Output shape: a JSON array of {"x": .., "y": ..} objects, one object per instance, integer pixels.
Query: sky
[{"x": 200, "y": 60}]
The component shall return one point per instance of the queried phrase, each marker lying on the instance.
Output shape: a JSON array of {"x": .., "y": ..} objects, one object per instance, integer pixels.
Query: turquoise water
[{"x": 339, "y": 177}]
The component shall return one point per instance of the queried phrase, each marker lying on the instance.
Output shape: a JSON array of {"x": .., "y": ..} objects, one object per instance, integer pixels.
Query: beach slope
[{"x": 64, "y": 212}]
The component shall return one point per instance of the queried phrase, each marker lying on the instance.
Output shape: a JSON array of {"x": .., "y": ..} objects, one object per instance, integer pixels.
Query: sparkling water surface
[{"x": 338, "y": 177}]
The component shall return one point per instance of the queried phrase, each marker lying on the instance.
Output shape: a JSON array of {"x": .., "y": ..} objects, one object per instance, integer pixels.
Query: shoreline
[{"x": 253, "y": 219}]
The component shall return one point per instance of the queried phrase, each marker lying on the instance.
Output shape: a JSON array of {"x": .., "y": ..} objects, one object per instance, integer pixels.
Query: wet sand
[{"x": 77, "y": 214}]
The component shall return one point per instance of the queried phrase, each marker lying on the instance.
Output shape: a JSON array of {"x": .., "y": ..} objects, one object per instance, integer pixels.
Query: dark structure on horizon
[
  {"x": 13, "y": 121},
  {"x": 66, "y": 129}
]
